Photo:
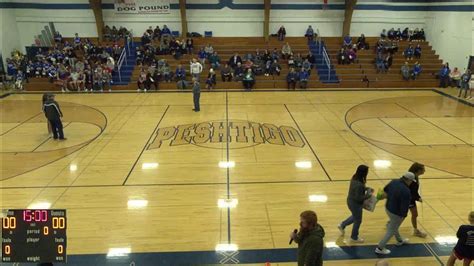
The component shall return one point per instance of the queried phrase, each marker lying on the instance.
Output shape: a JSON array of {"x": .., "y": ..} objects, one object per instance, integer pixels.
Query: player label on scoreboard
[{"x": 34, "y": 236}]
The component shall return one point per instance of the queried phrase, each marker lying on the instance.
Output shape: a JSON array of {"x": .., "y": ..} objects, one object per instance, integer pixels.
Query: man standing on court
[
  {"x": 398, "y": 201},
  {"x": 53, "y": 114},
  {"x": 309, "y": 239},
  {"x": 196, "y": 94}
]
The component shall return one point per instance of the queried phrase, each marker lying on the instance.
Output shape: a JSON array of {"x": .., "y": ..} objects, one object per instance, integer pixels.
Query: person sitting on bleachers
[
  {"x": 106, "y": 79},
  {"x": 388, "y": 62},
  {"x": 215, "y": 61},
  {"x": 202, "y": 56},
  {"x": 351, "y": 56},
  {"x": 379, "y": 63},
  {"x": 73, "y": 84},
  {"x": 455, "y": 78},
  {"x": 409, "y": 52},
  {"x": 211, "y": 79},
  {"x": 77, "y": 40},
  {"x": 275, "y": 68},
  {"x": 391, "y": 34},
  {"x": 311, "y": 58},
  {"x": 89, "y": 79},
  {"x": 291, "y": 62},
  {"x": 309, "y": 33},
  {"x": 291, "y": 79},
  {"x": 234, "y": 60},
  {"x": 157, "y": 33},
  {"x": 416, "y": 35},
  {"x": 268, "y": 68},
  {"x": 298, "y": 61},
  {"x": 266, "y": 56},
  {"x": 180, "y": 73},
  {"x": 383, "y": 35},
  {"x": 209, "y": 49},
  {"x": 164, "y": 46},
  {"x": 141, "y": 80},
  {"x": 248, "y": 80},
  {"x": 342, "y": 57},
  {"x": 306, "y": 66},
  {"x": 226, "y": 73},
  {"x": 286, "y": 51},
  {"x": 58, "y": 38},
  {"x": 248, "y": 57},
  {"x": 165, "y": 32},
  {"x": 391, "y": 47},
  {"x": 248, "y": 64},
  {"x": 410, "y": 35},
  {"x": 52, "y": 74},
  {"x": 347, "y": 41},
  {"x": 417, "y": 51},
  {"x": 258, "y": 55},
  {"x": 238, "y": 72},
  {"x": 416, "y": 70},
  {"x": 405, "y": 71},
  {"x": 189, "y": 45},
  {"x": 81, "y": 81},
  {"x": 275, "y": 55},
  {"x": 19, "y": 80},
  {"x": 405, "y": 34},
  {"x": 156, "y": 77},
  {"x": 361, "y": 43},
  {"x": 303, "y": 77},
  {"x": 398, "y": 34},
  {"x": 258, "y": 68},
  {"x": 421, "y": 35},
  {"x": 166, "y": 72},
  {"x": 444, "y": 76},
  {"x": 281, "y": 33}
]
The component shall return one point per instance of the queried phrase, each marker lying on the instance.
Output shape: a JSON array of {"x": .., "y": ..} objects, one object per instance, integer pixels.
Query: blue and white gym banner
[{"x": 142, "y": 6}]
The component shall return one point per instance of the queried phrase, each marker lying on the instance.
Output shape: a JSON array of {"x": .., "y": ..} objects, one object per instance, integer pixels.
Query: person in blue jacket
[
  {"x": 444, "y": 76},
  {"x": 416, "y": 70},
  {"x": 303, "y": 77},
  {"x": 291, "y": 79}
]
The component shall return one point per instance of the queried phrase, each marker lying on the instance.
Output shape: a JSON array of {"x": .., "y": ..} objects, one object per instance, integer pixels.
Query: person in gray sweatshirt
[
  {"x": 196, "y": 94},
  {"x": 358, "y": 193}
]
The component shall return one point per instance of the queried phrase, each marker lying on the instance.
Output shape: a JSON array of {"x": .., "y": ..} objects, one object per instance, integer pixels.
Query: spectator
[
  {"x": 180, "y": 73},
  {"x": 347, "y": 41},
  {"x": 471, "y": 85},
  {"x": 421, "y": 35},
  {"x": 281, "y": 33},
  {"x": 291, "y": 61},
  {"x": 58, "y": 38},
  {"x": 311, "y": 58},
  {"x": 215, "y": 61},
  {"x": 141, "y": 80},
  {"x": 303, "y": 77},
  {"x": 465, "y": 78},
  {"x": 73, "y": 84},
  {"x": 383, "y": 35},
  {"x": 388, "y": 62},
  {"x": 298, "y": 61},
  {"x": 286, "y": 51},
  {"x": 209, "y": 49},
  {"x": 195, "y": 68},
  {"x": 77, "y": 40},
  {"x": 309, "y": 33},
  {"x": 19, "y": 80},
  {"x": 202, "y": 55},
  {"x": 268, "y": 68},
  {"x": 405, "y": 34},
  {"x": 351, "y": 56},
  {"x": 409, "y": 52},
  {"x": 234, "y": 60},
  {"x": 342, "y": 57},
  {"x": 275, "y": 68},
  {"x": 238, "y": 72},
  {"x": 416, "y": 70},
  {"x": 366, "y": 80},
  {"x": 248, "y": 80},
  {"x": 357, "y": 194},
  {"x": 291, "y": 79},
  {"x": 166, "y": 72},
  {"x": 306, "y": 66},
  {"x": 310, "y": 240},
  {"x": 362, "y": 43},
  {"x": 156, "y": 77},
  {"x": 391, "y": 34},
  {"x": 157, "y": 33},
  {"x": 189, "y": 45},
  {"x": 464, "y": 249},
  {"x": 455, "y": 78},
  {"x": 211, "y": 79},
  {"x": 398, "y": 201},
  {"x": 226, "y": 74},
  {"x": 444, "y": 76},
  {"x": 417, "y": 51},
  {"x": 165, "y": 32},
  {"x": 398, "y": 34},
  {"x": 405, "y": 70}
]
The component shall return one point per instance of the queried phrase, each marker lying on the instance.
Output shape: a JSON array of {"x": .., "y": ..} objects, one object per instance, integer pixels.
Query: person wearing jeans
[
  {"x": 398, "y": 197},
  {"x": 358, "y": 193}
]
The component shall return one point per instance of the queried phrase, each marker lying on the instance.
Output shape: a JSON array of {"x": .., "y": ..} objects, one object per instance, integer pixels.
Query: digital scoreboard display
[{"x": 35, "y": 236}]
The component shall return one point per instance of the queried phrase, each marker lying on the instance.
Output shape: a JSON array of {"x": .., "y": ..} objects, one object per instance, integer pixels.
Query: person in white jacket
[{"x": 195, "y": 68}]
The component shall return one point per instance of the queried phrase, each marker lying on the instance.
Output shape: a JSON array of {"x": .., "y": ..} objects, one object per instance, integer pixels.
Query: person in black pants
[
  {"x": 53, "y": 114},
  {"x": 196, "y": 94}
]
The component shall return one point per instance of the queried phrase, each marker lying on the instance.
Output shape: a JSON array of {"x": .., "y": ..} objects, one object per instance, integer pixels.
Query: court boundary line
[
  {"x": 145, "y": 146},
  {"x": 447, "y": 95},
  {"x": 405, "y": 137},
  {"x": 309, "y": 145},
  {"x": 5, "y": 95},
  {"x": 227, "y": 162}
]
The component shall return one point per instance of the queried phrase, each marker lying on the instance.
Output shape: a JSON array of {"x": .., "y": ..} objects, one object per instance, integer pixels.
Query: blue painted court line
[{"x": 256, "y": 255}]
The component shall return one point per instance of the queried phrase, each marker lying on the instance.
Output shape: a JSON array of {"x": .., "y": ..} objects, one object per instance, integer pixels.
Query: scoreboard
[{"x": 35, "y": 236}]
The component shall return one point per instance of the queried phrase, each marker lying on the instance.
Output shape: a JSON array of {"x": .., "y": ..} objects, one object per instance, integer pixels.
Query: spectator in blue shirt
[
  {"x": 416, "y": 70},
  {"x": 165, "y": 31},
  {"x": 398, "y": 197},
  {"x": 291, "y": 79},
  {"x": 303, "y": 77},
  {"x": 444, "y": 76},
  {"x": 417, "y": 51},
  {"x": 347, "y": 41},
  {"x": 180, "y": 73},
  {"x": 409, "y": 52},
  {"x": 202, "y": 55}
]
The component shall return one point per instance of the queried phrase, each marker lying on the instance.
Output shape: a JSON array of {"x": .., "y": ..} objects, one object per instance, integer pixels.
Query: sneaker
[
  {"x": 341, "y": 230},
  {"x": 383, "y": 251},
  {"x": 403, "y": 242},
  {"x": 358, "y": 240},
  {"x": 138, "y": 90},
  {"x": 418, "y": 233}
]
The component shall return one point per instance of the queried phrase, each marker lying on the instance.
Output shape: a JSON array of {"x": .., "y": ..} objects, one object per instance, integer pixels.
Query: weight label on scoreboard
[{"x": 37, "y": 236}]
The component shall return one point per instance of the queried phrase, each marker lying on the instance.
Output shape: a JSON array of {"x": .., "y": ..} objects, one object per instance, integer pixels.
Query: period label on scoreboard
[{"x": 35, "y": 236}]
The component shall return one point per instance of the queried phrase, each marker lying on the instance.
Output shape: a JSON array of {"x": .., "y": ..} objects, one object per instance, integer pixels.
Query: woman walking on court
[
  {"x": 417, "y": 169},
  {"x": 358, "y": 193},
  {"x": 45, "y": 99}
]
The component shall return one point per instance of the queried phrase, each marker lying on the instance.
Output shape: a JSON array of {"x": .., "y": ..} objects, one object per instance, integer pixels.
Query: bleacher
[{"x": 350, "y": 76}]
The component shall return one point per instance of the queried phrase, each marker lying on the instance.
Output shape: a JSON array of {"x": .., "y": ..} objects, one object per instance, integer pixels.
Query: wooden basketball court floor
[{"x": 145, "y": 175}]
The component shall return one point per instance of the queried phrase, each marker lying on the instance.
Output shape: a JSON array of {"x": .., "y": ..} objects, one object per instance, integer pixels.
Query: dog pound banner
[{"x": 146, "y": 7}]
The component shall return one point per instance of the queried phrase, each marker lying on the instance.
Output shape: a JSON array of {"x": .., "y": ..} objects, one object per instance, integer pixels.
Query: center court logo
[{"x": 234, "y": 133}]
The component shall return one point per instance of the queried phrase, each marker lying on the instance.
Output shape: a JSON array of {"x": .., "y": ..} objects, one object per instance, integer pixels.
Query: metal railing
[
  {"x": 123, "y": 56},
  {"x": 318, "y": 41},
  {"x": 327, "y": 61}
]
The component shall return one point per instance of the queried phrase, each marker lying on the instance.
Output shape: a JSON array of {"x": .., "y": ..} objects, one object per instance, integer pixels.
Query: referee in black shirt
[{"x": 53, "y": 114}]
